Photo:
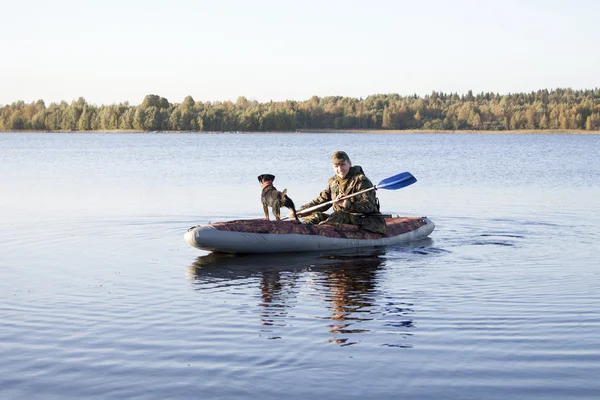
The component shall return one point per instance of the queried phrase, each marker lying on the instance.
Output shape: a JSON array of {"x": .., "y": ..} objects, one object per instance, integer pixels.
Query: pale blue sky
[{"x": 112, "y": 51}]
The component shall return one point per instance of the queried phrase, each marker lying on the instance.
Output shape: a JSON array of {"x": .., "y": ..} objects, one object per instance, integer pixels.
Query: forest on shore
[{"x": 557, "y": 109}]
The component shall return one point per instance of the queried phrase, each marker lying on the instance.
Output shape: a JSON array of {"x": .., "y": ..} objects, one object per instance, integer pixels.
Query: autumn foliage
[{"x": 559, "y": 109}]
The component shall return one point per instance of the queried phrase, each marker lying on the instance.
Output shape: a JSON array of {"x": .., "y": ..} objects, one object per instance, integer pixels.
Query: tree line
[{"x": 558, "y": 109}]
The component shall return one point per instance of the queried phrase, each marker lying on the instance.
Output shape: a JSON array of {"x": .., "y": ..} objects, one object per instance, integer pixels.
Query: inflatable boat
[{"x": 262, "y": 236}]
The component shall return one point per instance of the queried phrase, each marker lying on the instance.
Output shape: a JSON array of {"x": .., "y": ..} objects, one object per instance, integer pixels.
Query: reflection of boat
[
  {"x": 233, "y": 266},
  {"x": 344, "y": 288},
  {"x": 261, "y": 236}
]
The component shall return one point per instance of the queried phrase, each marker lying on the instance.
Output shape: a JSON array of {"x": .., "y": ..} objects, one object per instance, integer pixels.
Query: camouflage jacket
[{"x": 363, "y": 208}]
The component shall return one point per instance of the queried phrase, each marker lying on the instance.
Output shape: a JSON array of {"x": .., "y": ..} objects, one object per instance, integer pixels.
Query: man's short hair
[{"x": 339, "y": 157}]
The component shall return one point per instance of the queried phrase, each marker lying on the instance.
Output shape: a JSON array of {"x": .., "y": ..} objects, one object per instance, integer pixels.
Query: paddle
[{"x": 392, "y": 183}]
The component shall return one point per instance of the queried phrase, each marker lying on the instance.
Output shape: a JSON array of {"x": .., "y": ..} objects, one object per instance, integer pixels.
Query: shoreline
[
  {"x": 313, "y": 131},
  {"x": 465, "y": 131}
]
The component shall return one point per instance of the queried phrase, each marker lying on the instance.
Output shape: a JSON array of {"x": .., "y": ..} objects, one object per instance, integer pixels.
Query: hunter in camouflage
[{"x": 361, "y": 210}]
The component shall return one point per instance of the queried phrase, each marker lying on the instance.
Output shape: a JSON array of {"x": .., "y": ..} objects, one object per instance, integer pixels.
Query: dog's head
[{"x": 266, "y": 178}]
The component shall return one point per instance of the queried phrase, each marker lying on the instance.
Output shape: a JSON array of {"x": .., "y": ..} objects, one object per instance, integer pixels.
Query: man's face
[{"x": 341, "y": 169}]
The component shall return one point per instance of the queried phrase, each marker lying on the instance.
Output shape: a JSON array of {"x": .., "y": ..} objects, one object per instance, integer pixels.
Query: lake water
[{"x": 100, "y": 297}]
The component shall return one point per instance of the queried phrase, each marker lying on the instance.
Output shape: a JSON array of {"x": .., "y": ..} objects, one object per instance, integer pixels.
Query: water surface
[{"x": 101, "y": 298}]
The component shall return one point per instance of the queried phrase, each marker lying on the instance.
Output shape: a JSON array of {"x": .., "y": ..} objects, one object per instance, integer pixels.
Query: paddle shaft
[
  {"x": 392, "y": 183},
  {"x": 310, "y": 209}
]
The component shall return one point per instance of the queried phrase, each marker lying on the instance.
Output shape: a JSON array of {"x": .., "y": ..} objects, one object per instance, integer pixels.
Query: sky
[{"x": 112, "y": 51}]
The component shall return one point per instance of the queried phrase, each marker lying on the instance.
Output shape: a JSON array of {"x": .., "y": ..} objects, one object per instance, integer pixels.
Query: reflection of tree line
[
  {"x": 350, "y": 283},
  {"x": 544, "y": 109}
]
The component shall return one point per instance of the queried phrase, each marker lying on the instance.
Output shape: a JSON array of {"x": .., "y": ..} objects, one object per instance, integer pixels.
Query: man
[{"x": 361, "y": 210}]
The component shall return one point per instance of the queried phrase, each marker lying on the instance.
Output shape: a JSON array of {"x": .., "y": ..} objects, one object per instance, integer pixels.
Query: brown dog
[{"x": 271, "y": 197}]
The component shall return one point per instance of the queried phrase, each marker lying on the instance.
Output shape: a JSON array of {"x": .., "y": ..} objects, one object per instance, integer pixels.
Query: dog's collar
[{"x": 267, "y": 183}]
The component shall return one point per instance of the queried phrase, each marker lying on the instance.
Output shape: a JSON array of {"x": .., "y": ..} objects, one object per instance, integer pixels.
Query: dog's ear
[
  {"x": 283, "y": 193},
  {"x": 270, "y": 177},
  {"x": 260, "y": 178}
]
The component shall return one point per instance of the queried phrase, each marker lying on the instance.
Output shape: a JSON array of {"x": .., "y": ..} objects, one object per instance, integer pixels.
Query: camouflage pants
[
  {"x": 337, "y": 217},
  {"x": 373, "y": 224}
]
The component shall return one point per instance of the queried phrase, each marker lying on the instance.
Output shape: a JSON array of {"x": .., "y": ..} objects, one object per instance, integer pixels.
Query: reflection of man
[
  {"x": 361, "y": 210},
  {"x": 352, "y": 286}
]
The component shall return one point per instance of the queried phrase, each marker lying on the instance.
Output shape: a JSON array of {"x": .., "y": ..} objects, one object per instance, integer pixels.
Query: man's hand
[
  {"x": 344, "y": 203},
  {"x": 291, "y": 215}
]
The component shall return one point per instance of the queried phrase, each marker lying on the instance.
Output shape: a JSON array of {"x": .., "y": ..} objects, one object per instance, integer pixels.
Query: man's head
[{"x": 341, "y": 163}]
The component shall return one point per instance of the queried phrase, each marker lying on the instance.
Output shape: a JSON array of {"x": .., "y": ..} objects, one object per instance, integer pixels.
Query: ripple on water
[{"x": 130, "y": 317}]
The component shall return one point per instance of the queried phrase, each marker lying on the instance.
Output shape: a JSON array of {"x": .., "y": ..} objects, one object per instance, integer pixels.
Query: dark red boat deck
[{"x": 395, "y": 226}]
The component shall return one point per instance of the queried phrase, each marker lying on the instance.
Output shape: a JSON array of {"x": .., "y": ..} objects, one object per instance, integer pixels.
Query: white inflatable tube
[{"x": 207, "y": 237}]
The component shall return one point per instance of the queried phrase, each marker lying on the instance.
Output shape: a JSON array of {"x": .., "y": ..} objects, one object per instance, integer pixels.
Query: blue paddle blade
[{"x": 397, "y": 181}]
